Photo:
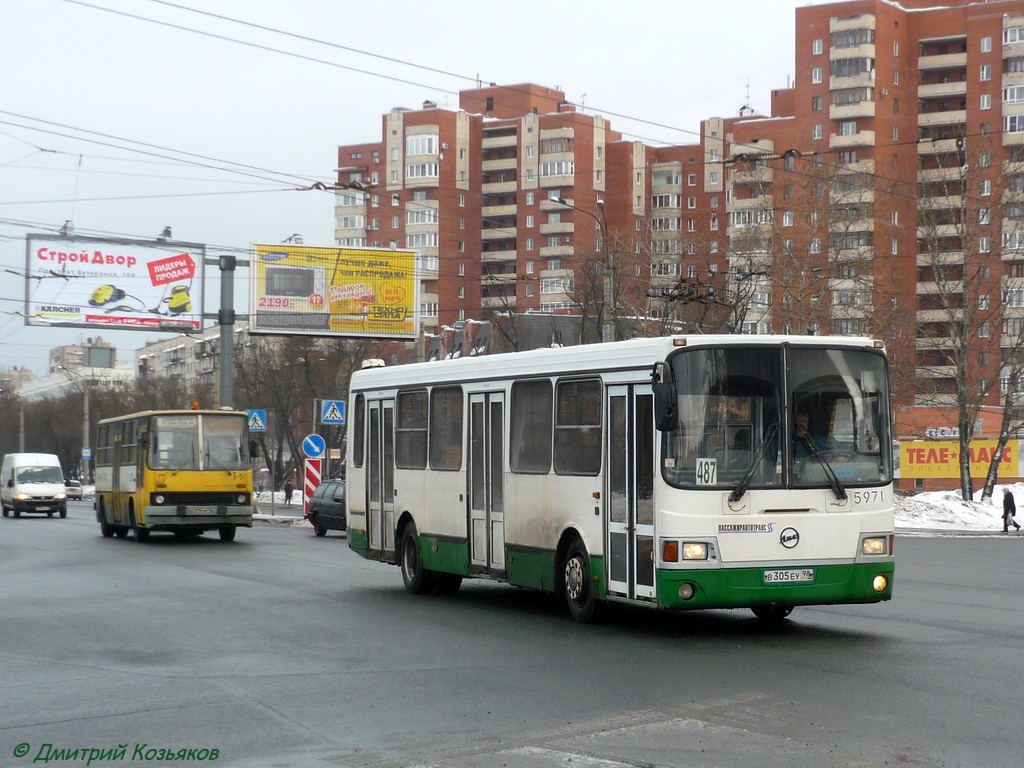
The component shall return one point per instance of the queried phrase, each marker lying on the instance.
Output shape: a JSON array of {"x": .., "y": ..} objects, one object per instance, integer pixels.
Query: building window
[
  {"x": 985, "y": 72},
  {"x": 817, "y": 46},
  {"x": 816, "y": 103},
  {"x": 848, "y": 128},
  {"x": 462, "y": 201},
  {"x": 986, "y": 187},
  {"x": 691, "y": 180},
  {"x": 462, "y": 292},
  {"x": 816, "y": 131},
  {"x": 816, "y": 75},
  {"x": 986, "y": 101},
  {"x": 787, "y": 218},
  {"x": 529, "y": 244},
  {"x": 691, "y": 202},
  {"x": 395, "y": 201},
  {"x": 395, "y": 222},
  {"x": 986, "y": 44}
]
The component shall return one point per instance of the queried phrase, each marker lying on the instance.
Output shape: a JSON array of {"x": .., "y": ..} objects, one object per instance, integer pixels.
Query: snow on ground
[{"x": 945, "y": 510}]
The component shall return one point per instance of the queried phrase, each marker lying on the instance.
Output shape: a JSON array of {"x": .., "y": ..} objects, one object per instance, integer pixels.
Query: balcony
[
  {"x": 939, "y": 174},
  {"x": 942, "y": 61},
  {"x": 862, "y": 51},
  {"x": 940, "y": 90},
  {"x": 861, "y": 80},
  {"x": 495, "y": 142},
  {"x": 952, "y": 117},
  {"x": 498, "y": 233},
  {"x": 859, "y": 139},
  {"x": 936, "y": 147},
  {"x": 944, "y": 258},
  {"x": 499, "y": 187},
  {"x": 848, "y": 111},
  {"x": 556, "y": 251},
  {"x": 501, "y": 164},
  {"x": 558, "y": 228},
  {"x": 493, "y": 211},
  {"x": 498, "y": 257},
  {"x": 751, "y": 203},
  {"x": 763, "y": 175},
  {"x": 862, "y": 21}
]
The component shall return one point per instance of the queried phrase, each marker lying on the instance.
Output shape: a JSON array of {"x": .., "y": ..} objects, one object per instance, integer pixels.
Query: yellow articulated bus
[{"x": 180, "y": 471}]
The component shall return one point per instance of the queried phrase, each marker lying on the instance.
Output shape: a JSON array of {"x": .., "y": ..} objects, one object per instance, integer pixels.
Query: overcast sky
[{"x": 226, "y": 131}]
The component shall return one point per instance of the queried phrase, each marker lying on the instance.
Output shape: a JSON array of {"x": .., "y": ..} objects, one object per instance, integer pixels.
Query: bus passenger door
[
  {"x": 629, "y": 491},
  {"x": 380, "y": 484},
  {"x": 486, "y": 487}
]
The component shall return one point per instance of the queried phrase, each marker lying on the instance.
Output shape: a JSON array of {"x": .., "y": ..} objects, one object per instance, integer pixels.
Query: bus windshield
[
  {"x": 198, "y": 442},
  {"x": 738, "y": 424}
]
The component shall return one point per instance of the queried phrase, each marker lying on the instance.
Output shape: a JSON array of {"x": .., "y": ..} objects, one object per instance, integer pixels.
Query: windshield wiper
[
  {"x": 833, "y": 480},
  {"x": 739, "y": 490}
]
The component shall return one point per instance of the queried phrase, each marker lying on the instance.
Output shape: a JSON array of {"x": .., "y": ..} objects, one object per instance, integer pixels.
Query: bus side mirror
[{"x": 665, "y": 419}]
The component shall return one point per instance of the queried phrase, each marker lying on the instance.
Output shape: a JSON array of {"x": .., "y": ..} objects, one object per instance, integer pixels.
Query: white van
[{"x": 33, "y": 482}]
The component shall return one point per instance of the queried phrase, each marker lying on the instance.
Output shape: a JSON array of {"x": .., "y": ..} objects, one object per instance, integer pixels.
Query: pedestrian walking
[
  {"x": 288, "y": 492},
  {"x": 1009, "y": 511}
]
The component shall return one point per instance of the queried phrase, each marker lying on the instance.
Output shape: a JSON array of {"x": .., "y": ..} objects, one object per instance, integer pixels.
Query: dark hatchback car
[{"x": 327, "y": 507}]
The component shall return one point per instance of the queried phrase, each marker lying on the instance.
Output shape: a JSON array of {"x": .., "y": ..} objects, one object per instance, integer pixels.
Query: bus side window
[
  {"x": 530, "y": 427},
  {"x": 411, "y": 430},
  {"x": 578, "y": 427}
]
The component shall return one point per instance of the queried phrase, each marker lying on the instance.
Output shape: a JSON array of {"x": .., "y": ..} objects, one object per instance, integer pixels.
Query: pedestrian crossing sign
[
  {"x": 332, "y": 411},
  {"x": 257, "y": 420}
]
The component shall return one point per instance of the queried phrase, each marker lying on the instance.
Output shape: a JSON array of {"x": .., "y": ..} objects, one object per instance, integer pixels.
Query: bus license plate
[
  {"x": 789, "y": 576},
  {"x": 199, "y": 510}
]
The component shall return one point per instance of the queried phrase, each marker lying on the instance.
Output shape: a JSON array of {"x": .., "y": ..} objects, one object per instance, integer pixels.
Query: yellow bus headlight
[
  {"x": 874, "y": 545},
  {"x": 695, "y": 550}
]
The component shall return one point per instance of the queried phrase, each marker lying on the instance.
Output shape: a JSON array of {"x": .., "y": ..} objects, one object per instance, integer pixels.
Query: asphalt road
[{"x": 282, "y": 649}]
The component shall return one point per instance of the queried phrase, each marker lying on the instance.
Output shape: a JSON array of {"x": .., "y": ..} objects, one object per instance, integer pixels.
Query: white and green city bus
[{"x": 662, "y": 472}]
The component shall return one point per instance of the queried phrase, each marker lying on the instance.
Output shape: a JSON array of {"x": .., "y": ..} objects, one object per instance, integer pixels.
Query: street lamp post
[
  {"x": 608, "y": 279},
  {"x": 85, "y": 422}
]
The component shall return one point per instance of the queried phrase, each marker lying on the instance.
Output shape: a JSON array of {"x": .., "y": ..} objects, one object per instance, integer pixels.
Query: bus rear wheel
[
  {"x": 577, "y": 585},
  {"x": 414, "y": 575}
]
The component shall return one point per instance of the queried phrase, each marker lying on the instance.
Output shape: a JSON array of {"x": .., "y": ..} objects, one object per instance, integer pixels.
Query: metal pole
[
  {"x": 21, "y": 426},
  {"x": 85, "y": 434},
  {"x": 608, "y": 307},
  {"x": 226, "y": 319}
]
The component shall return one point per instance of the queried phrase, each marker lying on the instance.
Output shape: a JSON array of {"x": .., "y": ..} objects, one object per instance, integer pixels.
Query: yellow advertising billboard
[
  {"x": 324, "y": 291},
  {"x": 941, "y": 458}
]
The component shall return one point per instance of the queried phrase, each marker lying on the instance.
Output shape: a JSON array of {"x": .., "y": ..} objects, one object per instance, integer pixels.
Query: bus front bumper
[
  {"x": 206, "y": 517},
  {"x": 751, "y": 587}
]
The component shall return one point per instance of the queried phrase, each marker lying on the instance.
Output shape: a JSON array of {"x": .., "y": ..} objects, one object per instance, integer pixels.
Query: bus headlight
[
  {"x": 686, "y": 590},
  {"x": 242, "y": 498},
  {"x": 159, "y": 499},
  {"x": 695, "y": 550},
  {"x": 880, "y": 583},
  {"x": 874, "y": 545}
]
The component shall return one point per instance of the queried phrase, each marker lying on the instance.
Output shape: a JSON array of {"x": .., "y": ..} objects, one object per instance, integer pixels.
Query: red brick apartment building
[{"x": 883, "y": 195}]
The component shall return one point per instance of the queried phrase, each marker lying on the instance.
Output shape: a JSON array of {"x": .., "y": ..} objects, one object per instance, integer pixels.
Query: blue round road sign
[{"x": 313, "y": 446}]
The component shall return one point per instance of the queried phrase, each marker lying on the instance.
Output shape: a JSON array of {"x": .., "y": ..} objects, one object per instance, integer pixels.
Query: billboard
[
  {"x": 90, "y": 282},
  {"x": 941, "y": 458},
  {"x": 303, "y": 289}
]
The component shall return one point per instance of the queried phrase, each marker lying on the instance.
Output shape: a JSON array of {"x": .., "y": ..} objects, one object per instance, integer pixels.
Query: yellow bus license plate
[
  {"x": 789, "y": 576},
  {"x": 200, "y": 511}
]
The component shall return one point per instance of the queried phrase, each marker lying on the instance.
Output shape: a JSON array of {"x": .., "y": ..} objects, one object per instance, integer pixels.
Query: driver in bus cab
[{"x": 804, "y": 443}]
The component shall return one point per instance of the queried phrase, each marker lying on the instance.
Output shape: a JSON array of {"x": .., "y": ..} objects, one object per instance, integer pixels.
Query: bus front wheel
[
  {"x": 227, "y": 532},
  {"x": 772, "y": 613},
  {"x": 577, "y": 585},
  {"x": 141, "y": 534},
  {"x": 106, "y": 529},
  {"x": 414, "y": 576}
]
